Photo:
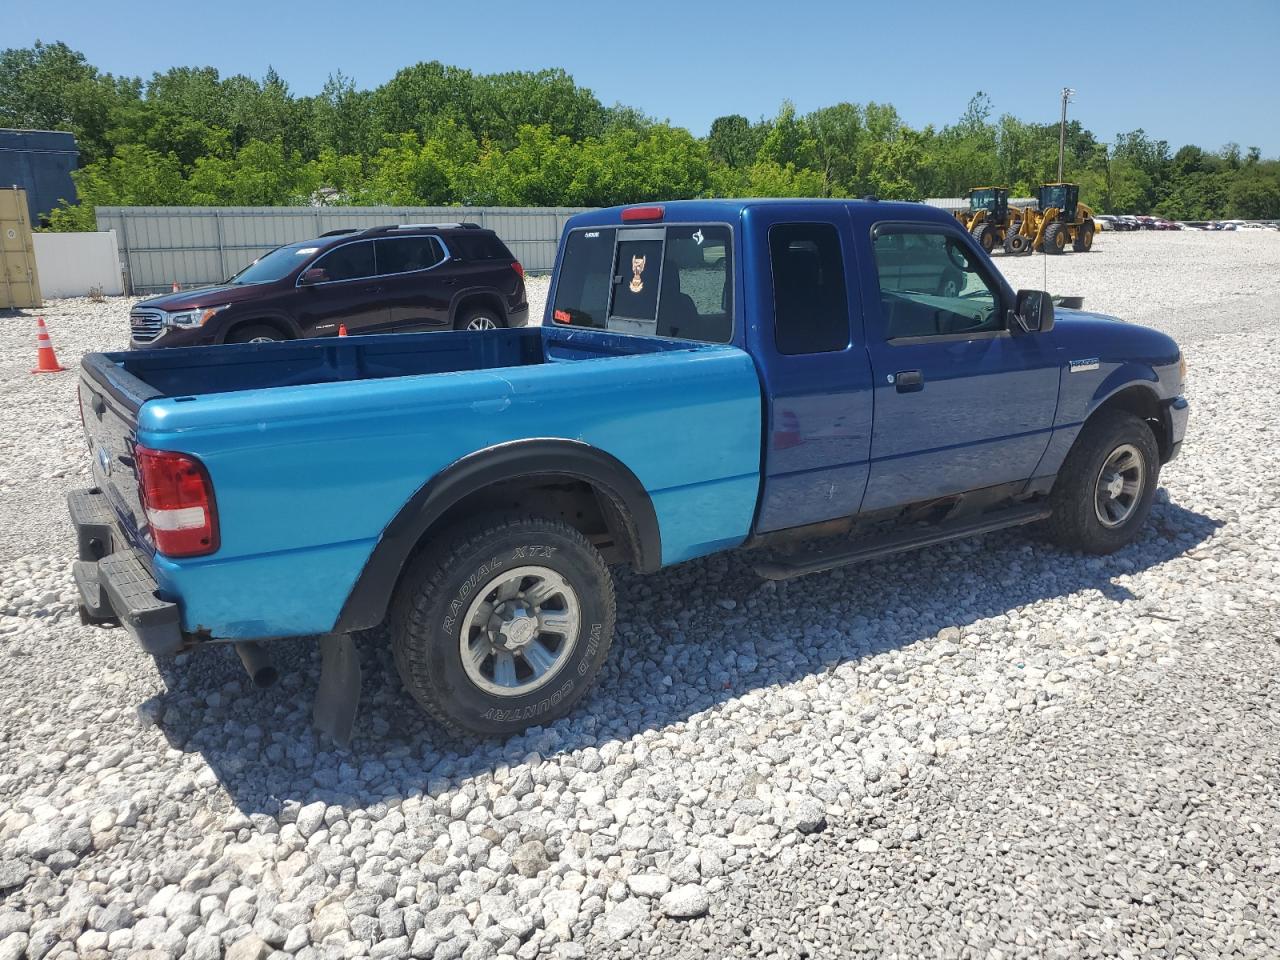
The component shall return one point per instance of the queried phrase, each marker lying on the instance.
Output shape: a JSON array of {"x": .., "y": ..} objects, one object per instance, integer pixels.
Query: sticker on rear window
[
  {"x": 592, "y": 235},
  {"x": 562, "y": 316}
]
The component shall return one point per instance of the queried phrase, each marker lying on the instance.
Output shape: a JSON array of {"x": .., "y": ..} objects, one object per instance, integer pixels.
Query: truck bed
[
  {"x": 137, "y": 376},
  {"x": 314, "y": 446}
]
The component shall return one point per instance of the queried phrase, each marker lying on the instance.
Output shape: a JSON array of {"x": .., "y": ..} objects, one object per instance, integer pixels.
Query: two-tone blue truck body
[{"x": 709, "y": 374}]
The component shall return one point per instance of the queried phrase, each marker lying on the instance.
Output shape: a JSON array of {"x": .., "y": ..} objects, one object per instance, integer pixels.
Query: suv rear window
[
  {"x": 478, "y": 246},
  {"x": 668, "y": 281}
]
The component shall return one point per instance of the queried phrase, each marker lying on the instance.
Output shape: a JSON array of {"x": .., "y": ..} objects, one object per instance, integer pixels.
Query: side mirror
[
  {"x": 1033, "y": 311},
  {"x": 314, "y": 275}
]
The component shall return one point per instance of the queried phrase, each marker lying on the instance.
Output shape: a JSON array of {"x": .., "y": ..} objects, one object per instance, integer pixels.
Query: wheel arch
[
  {"x": 589, "y": 488},
  {"x": 1144, "y": 403},
  {"x": 477, "y": 296},
  {"x": 275, "y": 320}
]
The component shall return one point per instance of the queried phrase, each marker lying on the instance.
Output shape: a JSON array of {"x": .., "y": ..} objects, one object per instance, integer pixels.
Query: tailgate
[{"x": 110, "y": 419}]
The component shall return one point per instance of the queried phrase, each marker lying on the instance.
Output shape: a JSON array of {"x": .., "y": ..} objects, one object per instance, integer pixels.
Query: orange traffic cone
[
  {"x": 176, "y": 288},
  {"x": 46, "y": 359},
  {"x": 342, "y": 329}
]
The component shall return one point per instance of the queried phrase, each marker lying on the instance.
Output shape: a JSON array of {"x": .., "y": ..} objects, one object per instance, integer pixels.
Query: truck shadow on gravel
[{"x": 689, "y": 638}]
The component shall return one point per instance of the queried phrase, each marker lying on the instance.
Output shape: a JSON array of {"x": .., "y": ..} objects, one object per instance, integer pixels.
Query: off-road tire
[
  {"x": 1055, "y": 238},
  {"x": 255, "y": 331},
  {"x": 430, "y": 606},
  {"x": 1017, "y": 244},
  {"x": 1074, "y": 523},
  {"x": 472, "y": 315},
  {"x": 1083, "y": 242},
  {"x": 985, "y": 234}
]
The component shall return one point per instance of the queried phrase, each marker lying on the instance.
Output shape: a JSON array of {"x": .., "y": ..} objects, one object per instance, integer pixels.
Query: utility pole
[{"x": 1062, "y": 129}]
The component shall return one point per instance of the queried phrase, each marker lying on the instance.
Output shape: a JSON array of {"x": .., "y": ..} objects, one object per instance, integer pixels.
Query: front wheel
[
  {"x": 1104, "y": 491},
  {"x": 255, "y": 333},
  {"x": 503, "y": 623}
]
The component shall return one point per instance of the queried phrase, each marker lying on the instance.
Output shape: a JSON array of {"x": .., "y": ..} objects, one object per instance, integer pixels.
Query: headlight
[{"x": 192, "y": 318}]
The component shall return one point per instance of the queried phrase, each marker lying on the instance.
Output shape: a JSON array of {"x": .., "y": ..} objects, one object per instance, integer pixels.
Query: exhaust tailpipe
[{"x": 257, "y": 664}]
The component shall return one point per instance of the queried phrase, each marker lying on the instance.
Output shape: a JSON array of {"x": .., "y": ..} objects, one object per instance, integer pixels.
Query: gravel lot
[{"x": 990, "y": 750}]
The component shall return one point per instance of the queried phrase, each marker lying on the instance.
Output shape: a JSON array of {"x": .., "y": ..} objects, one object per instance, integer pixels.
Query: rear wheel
[
  {"x": 1055, "y": 238},
  {"x": 1083, "y": 242},
  {"x": 1104, "y": 491},
  {"x": 255, "y": 333},
  {"x": 985, "y": 234},
  {"x": 479, "y": 318},
  {"x": 503, "y": 623}
]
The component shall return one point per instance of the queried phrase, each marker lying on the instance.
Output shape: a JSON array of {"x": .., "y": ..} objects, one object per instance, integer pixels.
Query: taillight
[
  {"x": 518, "y": 267},
  {"x": 177, "y": 497}
]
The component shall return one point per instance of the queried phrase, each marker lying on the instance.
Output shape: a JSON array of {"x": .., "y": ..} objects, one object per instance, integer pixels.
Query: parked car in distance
[
  {"x": 406, "y": 277},
  {"x": 800, "y": 377}
]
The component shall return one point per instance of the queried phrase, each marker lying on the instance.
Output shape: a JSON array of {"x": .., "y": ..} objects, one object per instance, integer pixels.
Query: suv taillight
[
  {"x": 177, "y": 497},
  {"x": 518, "y": 267}
]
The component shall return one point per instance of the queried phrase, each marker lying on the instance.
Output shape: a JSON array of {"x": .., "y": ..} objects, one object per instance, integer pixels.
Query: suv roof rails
[
  {"x": 338, "y": 233},
  {"x": 393, "y": 227}
]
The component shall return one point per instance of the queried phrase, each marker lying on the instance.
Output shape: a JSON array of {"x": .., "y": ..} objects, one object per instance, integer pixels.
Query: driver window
[{"x": 931, "y": 286}]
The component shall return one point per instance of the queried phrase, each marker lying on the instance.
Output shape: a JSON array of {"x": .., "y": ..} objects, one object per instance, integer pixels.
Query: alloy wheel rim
[
  {"x": 262, "y": 340},
  {"x": 1119, "y": 486},
  {"x": 519, "y": 631},
  {"x": 482, "y": 323}
]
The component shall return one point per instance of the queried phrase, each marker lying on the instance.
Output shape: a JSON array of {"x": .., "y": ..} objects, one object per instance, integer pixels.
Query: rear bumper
[
  {"x": 114, "y": 580},
  {"x": 1175, "y": 412}
]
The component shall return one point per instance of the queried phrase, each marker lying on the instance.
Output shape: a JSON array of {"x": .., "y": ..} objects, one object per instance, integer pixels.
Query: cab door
[
  {"x": 962, "y": 401},
  {"x": 417, "y": 283},
  {"x": 348, "y": 293},
  {"x": 808, "y": 339}
]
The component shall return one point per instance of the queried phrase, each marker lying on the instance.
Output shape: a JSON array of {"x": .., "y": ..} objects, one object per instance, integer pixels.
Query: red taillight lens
[
  {"x": 631, "y": 214},
  {"x": 518, "y": 267},
  {"x": 178, "y": 499}
]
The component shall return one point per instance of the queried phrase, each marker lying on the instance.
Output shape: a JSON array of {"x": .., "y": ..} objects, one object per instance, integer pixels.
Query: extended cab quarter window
[
  {"x": 349, "y": 262},
  {"x": 406, "y": 254},
  {"x": 810, "y": 308},
  {"x": 931, "y": 285}
]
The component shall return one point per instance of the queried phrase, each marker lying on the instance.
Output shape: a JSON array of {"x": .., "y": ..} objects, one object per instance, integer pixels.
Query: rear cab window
[{"x": 669, "y": 280}]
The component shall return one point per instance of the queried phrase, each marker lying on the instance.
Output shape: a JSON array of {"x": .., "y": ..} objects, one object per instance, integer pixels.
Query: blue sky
[{"x": 1204, "y": 76}]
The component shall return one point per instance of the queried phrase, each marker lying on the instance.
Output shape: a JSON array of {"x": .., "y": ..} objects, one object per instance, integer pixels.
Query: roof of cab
[{"x": 731, "y": 209}]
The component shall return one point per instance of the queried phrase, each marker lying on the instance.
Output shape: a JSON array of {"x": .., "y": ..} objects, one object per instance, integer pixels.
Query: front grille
[{"x": 145, "y": 325}]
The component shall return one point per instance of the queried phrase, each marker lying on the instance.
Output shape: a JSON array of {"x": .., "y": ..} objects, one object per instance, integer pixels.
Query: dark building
[{"x": 40, "y": 162}]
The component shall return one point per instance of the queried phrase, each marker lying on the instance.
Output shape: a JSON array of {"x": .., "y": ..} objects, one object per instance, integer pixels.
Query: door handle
[
  {"x": 451, "y": 282},
  {"x": 908, "y": 381}
]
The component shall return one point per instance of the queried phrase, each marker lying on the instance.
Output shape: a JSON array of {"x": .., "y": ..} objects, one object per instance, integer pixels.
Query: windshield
[
  {"x": 981, "y": 199},
  {"x": 1053, "y": 197},
  {"x": 277, "y": 264}
]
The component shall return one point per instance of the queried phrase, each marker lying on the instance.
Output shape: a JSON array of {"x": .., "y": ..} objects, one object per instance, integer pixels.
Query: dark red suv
[{"x": 431, "y": 276}]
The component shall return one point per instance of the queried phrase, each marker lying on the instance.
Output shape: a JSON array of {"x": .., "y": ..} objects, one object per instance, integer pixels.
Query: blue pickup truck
[{"x": 822, "y": 382}]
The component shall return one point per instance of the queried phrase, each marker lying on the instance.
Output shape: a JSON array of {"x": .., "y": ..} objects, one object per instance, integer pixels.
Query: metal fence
[{"x": 192, "y": 246}]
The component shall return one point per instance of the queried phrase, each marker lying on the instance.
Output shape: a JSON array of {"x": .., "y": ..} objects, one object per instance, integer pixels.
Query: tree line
[{"x": 440, "y": 135}]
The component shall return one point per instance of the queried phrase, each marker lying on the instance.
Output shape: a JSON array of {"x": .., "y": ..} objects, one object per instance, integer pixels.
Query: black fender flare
[{"x": 367, "y": 603}]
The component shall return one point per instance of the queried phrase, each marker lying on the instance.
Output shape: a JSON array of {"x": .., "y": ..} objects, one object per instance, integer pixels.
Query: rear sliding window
[{"x": 668, "y": 281}]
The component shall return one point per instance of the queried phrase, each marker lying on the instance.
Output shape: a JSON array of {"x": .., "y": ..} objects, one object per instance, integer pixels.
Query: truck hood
[
  {"x": 214, "y": 296},
  {"x": 1112, "y": 337}
]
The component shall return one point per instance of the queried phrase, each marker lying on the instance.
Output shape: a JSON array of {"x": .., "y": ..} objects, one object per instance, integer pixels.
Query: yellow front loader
[{"x": 1058, "y": 219}]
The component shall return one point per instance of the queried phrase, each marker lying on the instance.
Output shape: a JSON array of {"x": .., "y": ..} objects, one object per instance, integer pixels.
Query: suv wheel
[
  {"x": 255, "y": 333},
  {"x": 479, "y": 318}
]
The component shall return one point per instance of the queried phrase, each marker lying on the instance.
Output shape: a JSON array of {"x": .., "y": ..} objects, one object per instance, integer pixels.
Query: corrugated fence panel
[{"x": 193, "y": 246}]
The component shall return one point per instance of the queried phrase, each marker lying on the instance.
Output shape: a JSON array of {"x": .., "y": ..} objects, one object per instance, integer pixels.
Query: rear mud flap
[{"x": 338, "y": 697}]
